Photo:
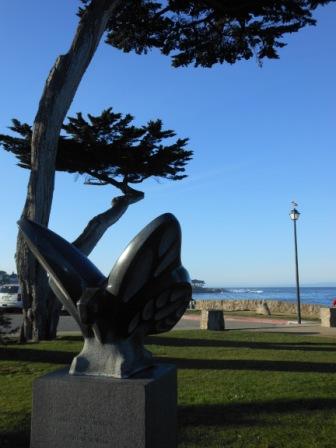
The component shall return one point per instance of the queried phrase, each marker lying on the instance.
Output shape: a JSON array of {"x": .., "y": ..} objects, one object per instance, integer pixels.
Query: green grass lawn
[{"x": 235, "y": 389}]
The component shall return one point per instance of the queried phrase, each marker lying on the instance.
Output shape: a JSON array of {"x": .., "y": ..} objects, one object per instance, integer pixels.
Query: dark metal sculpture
[{"x": 147, "y": 292}]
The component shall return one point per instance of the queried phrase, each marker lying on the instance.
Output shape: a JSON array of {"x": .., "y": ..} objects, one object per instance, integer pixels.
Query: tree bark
[
  {"x": 59, "y": 91},
  {"x": 53, "y": 315}
]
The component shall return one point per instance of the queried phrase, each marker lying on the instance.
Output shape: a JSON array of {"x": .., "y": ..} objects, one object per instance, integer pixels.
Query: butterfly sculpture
[{"x": 147, "y": 292}]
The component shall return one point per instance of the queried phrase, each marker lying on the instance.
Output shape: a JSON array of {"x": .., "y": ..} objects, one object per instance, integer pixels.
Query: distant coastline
[{"x": 203, "y": 290}]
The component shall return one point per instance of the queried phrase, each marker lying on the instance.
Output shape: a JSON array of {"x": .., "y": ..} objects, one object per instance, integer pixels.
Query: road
[{"x": 188, "y": 322}]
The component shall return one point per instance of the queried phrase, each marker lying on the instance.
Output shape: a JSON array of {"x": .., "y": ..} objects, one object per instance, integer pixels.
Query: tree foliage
[
  {"x": 109, "y": 149},
  {"x": 208, "y": 32}
]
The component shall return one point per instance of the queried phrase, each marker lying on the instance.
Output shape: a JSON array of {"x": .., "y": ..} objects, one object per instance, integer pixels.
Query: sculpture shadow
[
  {"x": 18, "y": 439},
  {"x": 257, "y": 413},
  {"x": 291, "y": 333},
  {"x": 250, "y": 364},
  {"x": 11, "y": 352},
  {"x": 64, "y": 358},
  {"x": 198, "y": 342},
  {"x": 8, "y": 353},
  {"x": 71, "y": 338}
]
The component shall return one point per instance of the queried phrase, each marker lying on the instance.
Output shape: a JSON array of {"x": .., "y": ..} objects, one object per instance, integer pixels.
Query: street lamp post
[{"x": 294, "y": 215}]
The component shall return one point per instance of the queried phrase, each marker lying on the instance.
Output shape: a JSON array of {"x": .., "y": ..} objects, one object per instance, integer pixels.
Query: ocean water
[{"x": 319, "y": 296}]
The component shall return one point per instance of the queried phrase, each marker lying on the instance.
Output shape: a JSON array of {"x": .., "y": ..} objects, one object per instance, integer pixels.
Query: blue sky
[{"x": 261, "y": 137}]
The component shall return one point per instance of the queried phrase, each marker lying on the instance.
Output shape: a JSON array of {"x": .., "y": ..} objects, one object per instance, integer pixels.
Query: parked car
[{"x": 10, "y": 297}]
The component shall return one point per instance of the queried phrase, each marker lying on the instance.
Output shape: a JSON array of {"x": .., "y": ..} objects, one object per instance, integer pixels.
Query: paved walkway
[{"x": 306, "y": 328}]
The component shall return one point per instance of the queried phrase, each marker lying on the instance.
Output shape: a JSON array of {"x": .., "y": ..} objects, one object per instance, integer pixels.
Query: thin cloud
[{"x": 192, "y": 181}]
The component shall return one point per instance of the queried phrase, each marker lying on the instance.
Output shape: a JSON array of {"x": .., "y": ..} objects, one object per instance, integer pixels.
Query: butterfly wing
[
  {"x": 70, "y": 271},
  {"x": 150, "y": 285}
]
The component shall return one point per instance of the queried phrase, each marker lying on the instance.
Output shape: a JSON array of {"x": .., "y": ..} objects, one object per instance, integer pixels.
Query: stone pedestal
[
  {"x": 72, "y": 411},
  {"x": 328, "y": 317},
  {"x": 212, "y": 320}
]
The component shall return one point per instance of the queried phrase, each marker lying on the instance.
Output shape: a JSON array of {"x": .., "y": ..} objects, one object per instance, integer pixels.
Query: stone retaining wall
[{"x": 275, "y": 306}]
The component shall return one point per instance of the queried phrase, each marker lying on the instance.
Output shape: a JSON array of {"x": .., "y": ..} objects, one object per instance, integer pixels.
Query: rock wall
[{"x": 274, "y": 306}]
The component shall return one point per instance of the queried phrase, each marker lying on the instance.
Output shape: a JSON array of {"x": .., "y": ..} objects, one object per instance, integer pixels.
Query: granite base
[{"x": 98, "y": 412}]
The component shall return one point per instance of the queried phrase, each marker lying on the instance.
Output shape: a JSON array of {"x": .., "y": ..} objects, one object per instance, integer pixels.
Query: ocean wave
[{"x": 246, "y": 291}]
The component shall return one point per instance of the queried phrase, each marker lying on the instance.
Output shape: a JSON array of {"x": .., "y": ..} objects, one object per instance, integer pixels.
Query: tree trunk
[
  {"x": 54, "y": 311},
  {"x": 59, "y": 91}
]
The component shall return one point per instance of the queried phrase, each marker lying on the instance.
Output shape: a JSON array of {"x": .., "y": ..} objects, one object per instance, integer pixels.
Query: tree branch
[
  {"x": 198, "y": 22},
  {"x": 132, "y": 194},
  {"x": 105, "y": 179},
  {"x": 162, "y": 11},
  {"x": 98, "y": 225}
]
